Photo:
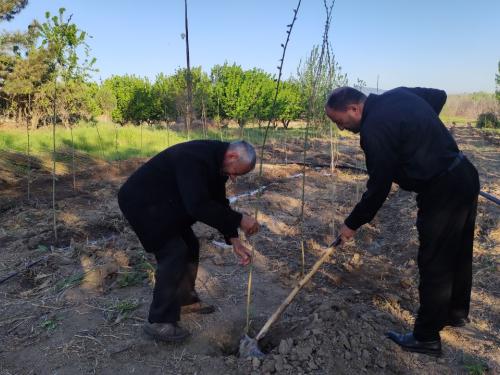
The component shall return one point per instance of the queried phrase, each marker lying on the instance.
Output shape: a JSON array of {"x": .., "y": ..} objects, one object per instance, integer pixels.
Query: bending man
[
  {"x": 405, "y": 142},
  {"x": 162, "y": 199}
]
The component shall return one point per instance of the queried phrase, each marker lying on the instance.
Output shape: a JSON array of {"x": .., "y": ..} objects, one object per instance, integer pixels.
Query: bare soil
[{"x": 81, "y": 308}]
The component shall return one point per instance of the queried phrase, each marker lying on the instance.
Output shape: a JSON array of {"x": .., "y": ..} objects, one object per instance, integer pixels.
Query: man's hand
[
  {"x": 249, "y": 225},
  {"x": 240, "y": 250},
  {"x": 346, "y": 233}
]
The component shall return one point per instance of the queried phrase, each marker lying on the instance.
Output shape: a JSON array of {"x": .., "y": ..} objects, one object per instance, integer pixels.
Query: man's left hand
[{"x": 240, "y": 250}]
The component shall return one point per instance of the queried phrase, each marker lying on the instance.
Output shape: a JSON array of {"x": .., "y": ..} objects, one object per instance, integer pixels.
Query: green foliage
[
  {"x": 69, "y": 282},
  {"x": 102, "y": 145},
  {"x": 164, "y": 97},
  {"x": 242, "y": 95},
  {"x": 317, "y": 77},
  {"x": 488, "y": 120},
  {"x": 9, "y": 8},
  {"x": 88, "y": 141},
  {"x": 62, "y": 39},
  {"x": 474, "y": 366},
  {"x": 50, "y": 63},
  {"x": 49, "y": 324},
  {"x": 37, "y": 63},
  {"x": 131, "y": 278},
  {"x": 106, "y": 101},
  {"x": 133, "y": 98},
  {"x": 121, "y": 310},
  {"x": 289, "y": 102}
]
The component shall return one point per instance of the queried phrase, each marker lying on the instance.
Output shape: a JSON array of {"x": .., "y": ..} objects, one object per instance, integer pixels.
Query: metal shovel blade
[{"x": 249, "y": 348}]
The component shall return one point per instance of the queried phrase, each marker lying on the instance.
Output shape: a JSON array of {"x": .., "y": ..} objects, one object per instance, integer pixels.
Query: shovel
[{"x": 249, "y": 347}]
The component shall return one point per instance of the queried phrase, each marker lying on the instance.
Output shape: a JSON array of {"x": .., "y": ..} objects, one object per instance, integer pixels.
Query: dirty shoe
[
  {"x": 169, "y": 332},
  {"x": 198, "y": 308}
]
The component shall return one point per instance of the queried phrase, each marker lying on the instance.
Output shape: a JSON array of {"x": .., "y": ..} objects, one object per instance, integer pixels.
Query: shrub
[{"x": 488, "y": 120}]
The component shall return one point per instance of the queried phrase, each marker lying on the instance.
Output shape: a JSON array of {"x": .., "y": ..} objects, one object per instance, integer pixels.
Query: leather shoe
[
  {"x": 409, "y": 343},
  {"x": 458, "y": 322},
  {"x": 168, "y": 332}
]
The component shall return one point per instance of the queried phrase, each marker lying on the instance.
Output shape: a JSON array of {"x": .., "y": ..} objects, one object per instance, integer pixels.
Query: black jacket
[
  {"x": 179, "y": 186},
  {"x": 405, "y": 142}
]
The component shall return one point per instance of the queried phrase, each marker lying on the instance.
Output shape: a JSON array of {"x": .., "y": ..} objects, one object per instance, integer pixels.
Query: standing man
[
  {"x": 405, "y": 142},
  {"x": 162, "y": 199}
]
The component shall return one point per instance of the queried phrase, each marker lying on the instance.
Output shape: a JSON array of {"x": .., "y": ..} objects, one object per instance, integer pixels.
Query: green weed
[
  {"x": 69, "y": 282},
  {"x": 474, "y": 366},
  {"x": 49, "y": 324}
]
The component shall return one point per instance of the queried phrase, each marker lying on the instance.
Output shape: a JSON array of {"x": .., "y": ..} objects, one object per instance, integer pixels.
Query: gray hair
[{"x": 246, "y": 152}]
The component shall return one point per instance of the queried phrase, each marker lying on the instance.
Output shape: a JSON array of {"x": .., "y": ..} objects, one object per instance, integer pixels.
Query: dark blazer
[{"x": 179, "y": 186}]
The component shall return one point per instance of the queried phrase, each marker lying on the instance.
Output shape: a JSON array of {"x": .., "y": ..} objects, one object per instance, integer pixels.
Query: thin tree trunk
[
  {"x": 204, "y": 118},
  {"x": 219, "y": 119},
  {"x": 99, "y": 139},
  {"x": 189, "y": 83},
  {"x": 303, "y": 196},
  {"x": 168, "y": 135},
  {"x": 28, "y": 119},
  {"x": 73, "y": 158},
  {"x": 116, "y": 139},
  {"x": 54, "y": 222},
  {"x": 286, "y": 146},
  {"x": 332, "y": 170},
  {"x": 259, "y": 181}
]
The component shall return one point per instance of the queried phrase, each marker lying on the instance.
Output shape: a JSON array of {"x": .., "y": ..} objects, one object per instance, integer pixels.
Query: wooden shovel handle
[{"x": 294, "y": 292}]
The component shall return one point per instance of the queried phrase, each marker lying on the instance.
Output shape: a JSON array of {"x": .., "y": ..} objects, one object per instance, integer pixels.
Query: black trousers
[
  {"x": 445, "y": 223},
  {"x": 175, "y": 277}
]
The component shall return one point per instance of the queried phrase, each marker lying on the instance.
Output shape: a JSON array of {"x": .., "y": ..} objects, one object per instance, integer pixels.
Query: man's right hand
[
  {"x": 249, "y": 225},
  {"x": 240, "y": 250},
  {"x": 346, "y": 233}
]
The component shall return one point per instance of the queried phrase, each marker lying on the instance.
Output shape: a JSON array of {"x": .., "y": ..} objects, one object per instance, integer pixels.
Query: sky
[{"x": 449, "y": 44}]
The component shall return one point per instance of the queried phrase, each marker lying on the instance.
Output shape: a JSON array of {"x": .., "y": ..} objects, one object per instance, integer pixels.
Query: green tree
[
  {"x": 62, "y": 39},
  {"x": 163, "y": 94},
  {"x": 264, "y": 87},
  {"x": 24, "y": 81},
  {"x": 238, "y": 92},
  {"x": 317, "y": 77},
  {"x": 488, "y": 120},
  {"x": 14, "y": 47},
  {"x": 140, "y": 108},
  {"x": 130, "y": 92},
  {"x": 9, "y": 8},
  {"x": 106, "y": 100},
  {"x": 289, "y": 104}
]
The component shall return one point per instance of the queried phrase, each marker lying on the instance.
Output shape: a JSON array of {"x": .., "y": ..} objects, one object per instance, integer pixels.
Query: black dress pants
[
  {"x": 445, "y": 223},
  {"x": 175, "y": 277}
]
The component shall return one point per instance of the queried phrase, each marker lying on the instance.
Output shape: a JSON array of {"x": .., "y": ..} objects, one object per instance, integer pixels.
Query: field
[{"x": 81, "y": 307}]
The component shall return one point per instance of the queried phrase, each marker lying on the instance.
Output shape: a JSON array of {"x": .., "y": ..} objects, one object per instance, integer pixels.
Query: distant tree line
[
  {"x": 45, "y": 75},
  {"x": 227, "y": 93}
]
